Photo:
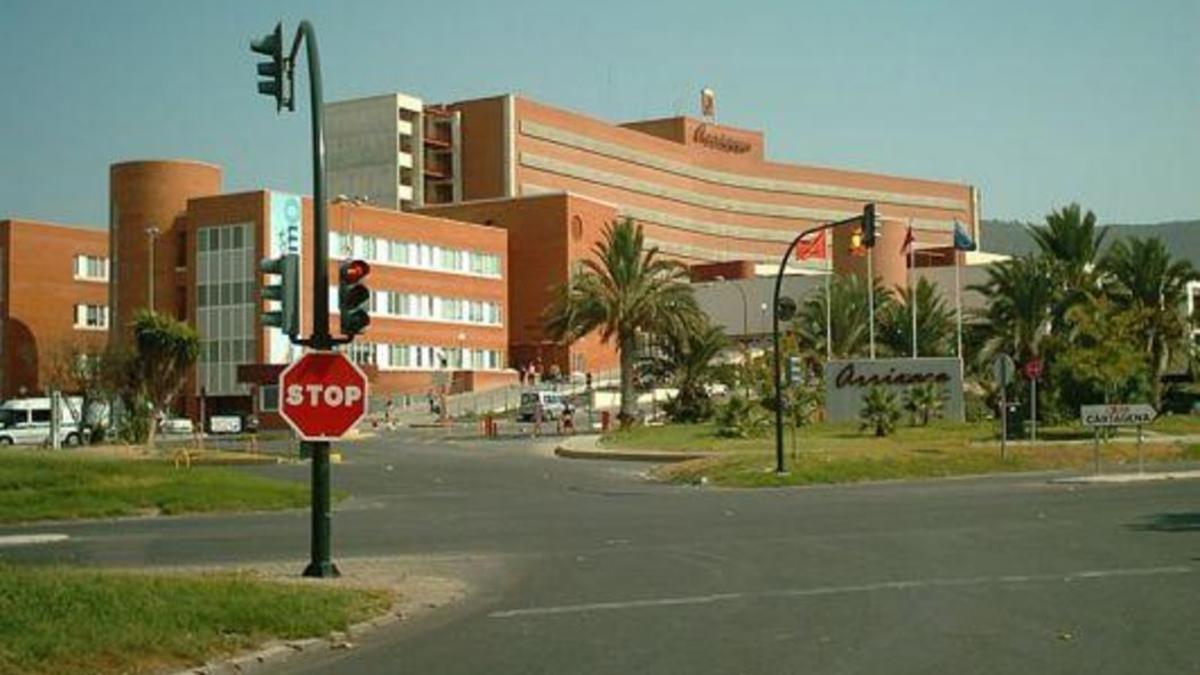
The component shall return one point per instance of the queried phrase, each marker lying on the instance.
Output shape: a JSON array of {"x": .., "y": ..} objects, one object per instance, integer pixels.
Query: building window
[
  {"x": 91, "y": 317},
  {"x": 268, "y": 398},
  {"x": 225, "y": 308},
  {"x": 91, "y": 267}
]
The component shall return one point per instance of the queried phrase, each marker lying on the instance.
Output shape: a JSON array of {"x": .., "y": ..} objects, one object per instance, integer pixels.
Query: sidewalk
[{"x": 587, "y": 446}]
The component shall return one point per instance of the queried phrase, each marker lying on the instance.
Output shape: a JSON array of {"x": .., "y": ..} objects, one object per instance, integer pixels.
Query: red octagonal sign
[{"x": 322, "y": 395}]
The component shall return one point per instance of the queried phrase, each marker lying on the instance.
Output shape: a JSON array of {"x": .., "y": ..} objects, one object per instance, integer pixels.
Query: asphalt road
[{"x": 584, "y": 567}]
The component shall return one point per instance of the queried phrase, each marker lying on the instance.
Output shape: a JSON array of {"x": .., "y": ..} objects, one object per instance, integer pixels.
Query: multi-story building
[
  {"x": 390, "y": 151},
  {"x": 53, "y": 300},
  {"x": 704, "y": 193}
]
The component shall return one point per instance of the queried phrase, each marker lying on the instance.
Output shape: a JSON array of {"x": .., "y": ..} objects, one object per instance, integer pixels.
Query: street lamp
[
  {"x": 151, "y": 233},
  {"x": 356, "y": 200}
]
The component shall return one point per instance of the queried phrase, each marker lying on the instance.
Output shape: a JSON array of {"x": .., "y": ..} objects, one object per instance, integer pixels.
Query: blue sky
[{"x": 1037, "y": 103}]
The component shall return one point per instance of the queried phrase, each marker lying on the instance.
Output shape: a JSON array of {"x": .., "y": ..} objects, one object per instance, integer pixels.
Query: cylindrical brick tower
[
  {"x": 888, "y": 262},
  {"x": 147, "y": 235}
]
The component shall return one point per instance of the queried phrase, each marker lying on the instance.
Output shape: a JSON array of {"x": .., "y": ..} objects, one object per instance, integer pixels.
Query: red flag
[
  {"x": 906, "y": 247},
  {"x": 811, "y": 248}
]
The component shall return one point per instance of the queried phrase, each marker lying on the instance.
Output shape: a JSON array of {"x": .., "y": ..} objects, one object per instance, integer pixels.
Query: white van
[
  {"x": 27, "y": 421},
  {"x": 553, "y": 404}
]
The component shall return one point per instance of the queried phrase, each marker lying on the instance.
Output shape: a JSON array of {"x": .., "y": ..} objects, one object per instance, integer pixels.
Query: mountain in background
[{"x": 1182, "y": 237}]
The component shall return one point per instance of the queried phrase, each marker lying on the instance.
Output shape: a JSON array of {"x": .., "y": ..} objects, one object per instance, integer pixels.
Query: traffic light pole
[
  {"x": 321, "y": 563},
  {"x": 787, "y": 255}
]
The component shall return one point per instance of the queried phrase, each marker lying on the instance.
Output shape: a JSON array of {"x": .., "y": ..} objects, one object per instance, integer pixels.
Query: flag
[
  {"x": 906, "y": 247},
  {"x": 962, "y": 240},
  {"x": 811, "y": 248}
]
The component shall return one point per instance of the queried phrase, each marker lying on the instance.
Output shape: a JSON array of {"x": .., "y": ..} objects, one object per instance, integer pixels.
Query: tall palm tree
[
  {"x": 851, "y": 332},
  {"x": 1020, "y": 307},
  {"x": 1071, "y": 241},
  {"x": 1142, "y": 275},
  {"x": 623, "y": 289},
  {"x": 935, "y": 322}
]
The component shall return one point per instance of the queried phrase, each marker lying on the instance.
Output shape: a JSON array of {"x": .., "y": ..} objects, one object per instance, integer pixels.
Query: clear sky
[{"x": 1037, "y": 103}]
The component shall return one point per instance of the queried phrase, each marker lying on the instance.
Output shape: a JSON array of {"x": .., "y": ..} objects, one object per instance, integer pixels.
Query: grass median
[
  {"x": 840, "y": 453},
  {"x": 55, "y": 486},
  {"x": 75, "y": 621}
]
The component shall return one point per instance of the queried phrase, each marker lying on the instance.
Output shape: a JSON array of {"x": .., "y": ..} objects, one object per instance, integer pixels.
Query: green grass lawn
[
  {"x": 838, "y": 453},
  {"x": 46, "y": 486},
  {"x": 56, "y": 621}
]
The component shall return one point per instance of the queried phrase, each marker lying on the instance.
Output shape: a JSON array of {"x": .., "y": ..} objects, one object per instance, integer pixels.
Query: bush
[
  {"x": 880, "y": 411},
  {"x": 740, "y": 418},
  {"x": 689, "y": 409}
]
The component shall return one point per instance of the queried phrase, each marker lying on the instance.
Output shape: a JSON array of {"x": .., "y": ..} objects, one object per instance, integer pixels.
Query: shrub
[
  {"x": 740, "y": 418},
  {"x": 880, "y": 411}
]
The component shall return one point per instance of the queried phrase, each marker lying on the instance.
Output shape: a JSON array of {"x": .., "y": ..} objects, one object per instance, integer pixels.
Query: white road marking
[
  {"x": 28, "y": 539},
  {"x": 837, "y": 590}
]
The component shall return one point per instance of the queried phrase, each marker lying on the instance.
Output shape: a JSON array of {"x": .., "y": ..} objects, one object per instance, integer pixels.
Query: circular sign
[
  {"x": 1033, "y": 369},
  {"x": 322, "y": 396},
  {"x": 1003, "y": 368}
]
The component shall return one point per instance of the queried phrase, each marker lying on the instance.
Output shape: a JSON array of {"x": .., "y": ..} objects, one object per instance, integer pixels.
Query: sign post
[
  {"x": 1117, "y": 415},
  {"x": 1033, "y": 371},
  {"x": 1003, "y": 368},
  {"x": 322, "y": 396}
]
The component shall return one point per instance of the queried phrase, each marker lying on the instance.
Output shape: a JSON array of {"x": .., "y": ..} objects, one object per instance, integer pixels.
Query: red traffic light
[{"x": 353, "y": 271}]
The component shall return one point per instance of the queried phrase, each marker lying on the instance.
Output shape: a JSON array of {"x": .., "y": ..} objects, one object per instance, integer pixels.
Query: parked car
[
  {"x": 176, "y": 425},
  {"x": 27, "y": 421},
  {"x": 552, "y": 403}
]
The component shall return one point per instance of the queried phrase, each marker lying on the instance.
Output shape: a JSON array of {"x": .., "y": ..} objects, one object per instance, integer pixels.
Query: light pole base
[{"x": 322, "y": 570}]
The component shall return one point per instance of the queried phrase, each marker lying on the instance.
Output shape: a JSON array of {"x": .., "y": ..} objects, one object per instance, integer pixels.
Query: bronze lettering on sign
[
  {"x": 846, "y": 377},
  {"x": 719, "y": 141}
]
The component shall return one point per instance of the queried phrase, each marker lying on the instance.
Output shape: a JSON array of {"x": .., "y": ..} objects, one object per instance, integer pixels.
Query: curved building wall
[{"x": 143, "y": 195}]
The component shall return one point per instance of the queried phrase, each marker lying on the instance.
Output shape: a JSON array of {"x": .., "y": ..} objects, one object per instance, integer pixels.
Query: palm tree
[
  {"x": 880, "y": 411},
  {"x": 924, "y": 401},
  {"x": 851, "y": 331},
  {"x": 1141, "y": 274},
  {"x": 1020, "y": 307},
  {"x": 624, "y": 289},
  {"x": 689, "y": 362},
  {"x": 166, "y": 348},
  {"x": 935, "y": 322},
  {"x": 1072, "y": 242}
]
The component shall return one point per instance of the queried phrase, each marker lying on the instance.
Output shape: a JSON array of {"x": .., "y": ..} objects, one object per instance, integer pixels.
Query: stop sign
[
  {"x": 1033, "y": 369},
  {"x": 322, "y": 395}
]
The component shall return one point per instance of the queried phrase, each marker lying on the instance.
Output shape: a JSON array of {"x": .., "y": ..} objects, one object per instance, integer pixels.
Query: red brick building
[{"x": 53, "y": 299}]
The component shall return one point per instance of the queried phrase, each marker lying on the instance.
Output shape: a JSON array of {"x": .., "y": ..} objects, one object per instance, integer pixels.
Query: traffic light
[
  {"x": 354, "y": 298},
  {"x": 285, "y": 291},
  {"x": 278, "y": 74},
  {"x": 868, "y": 225}
]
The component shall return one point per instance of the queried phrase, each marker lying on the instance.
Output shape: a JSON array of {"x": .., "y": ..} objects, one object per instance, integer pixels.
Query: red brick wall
[{"x": 40, "y": 294}]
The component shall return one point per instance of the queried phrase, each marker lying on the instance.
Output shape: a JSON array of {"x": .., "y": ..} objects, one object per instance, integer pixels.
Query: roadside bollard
[{"x": 604, "y": 421}]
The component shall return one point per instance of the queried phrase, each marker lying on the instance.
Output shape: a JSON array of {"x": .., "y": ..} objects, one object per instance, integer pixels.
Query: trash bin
[{"x": 1016, "y": 421}]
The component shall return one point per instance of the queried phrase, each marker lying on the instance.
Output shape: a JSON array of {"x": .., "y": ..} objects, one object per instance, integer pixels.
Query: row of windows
[
  {"x": 422, "y": 357},
  {"x": 411, "y": 254},
  {"x": 413, "y": 306},
  {"x": 91, "y": 267},
  {"x": 225, "y": 293},
  {"x": 221, "y": 238}
]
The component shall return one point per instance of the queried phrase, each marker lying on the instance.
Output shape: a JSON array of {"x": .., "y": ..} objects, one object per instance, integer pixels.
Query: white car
[
  {"x": 176, "y": 425},
  {"x": 552, "y": 403}
]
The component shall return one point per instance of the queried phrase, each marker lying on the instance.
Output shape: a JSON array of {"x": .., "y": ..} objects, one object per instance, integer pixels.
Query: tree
[
  {"x": 1141, "y": 274},
  {"x": 1019, "y": 312},
  {"x": 1071, "y": 242},
  {"x": 935, "y": 322},
  {"x": 1099, "y": 364},
  {"x": 689, "y": 362},
  {"x": 924, "y": 401},
  {"x": 166, "y": 348},
  {"x": 624, "y": 289},
  {"x": 880, "y": 411},
  {"x": 849, "y": 317}
]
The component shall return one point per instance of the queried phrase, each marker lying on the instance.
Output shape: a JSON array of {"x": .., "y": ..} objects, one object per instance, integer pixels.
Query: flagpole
[
  {"x": 871, "y": 301},
  {"x": 828, "y": 307},
  {"x": 958, "y": 304},
  {"x": 912, "y": 291}
]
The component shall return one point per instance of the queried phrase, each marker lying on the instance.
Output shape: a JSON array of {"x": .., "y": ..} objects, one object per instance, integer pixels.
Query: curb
[
  {"x": 629, "y": 455},
  {"x": 277, "y": 652},
  {"x": 1123, "y": 478}
]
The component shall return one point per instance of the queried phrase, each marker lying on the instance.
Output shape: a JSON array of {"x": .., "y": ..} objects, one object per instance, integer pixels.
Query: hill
[{"x": 1181, "y": 237}]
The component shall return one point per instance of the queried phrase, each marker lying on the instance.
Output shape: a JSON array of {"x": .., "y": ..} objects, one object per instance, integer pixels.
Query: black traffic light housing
[
  {"x": 354, "y": 298},
  {"x": 277, "y": 72},
  {"x": 285, "y": 291},
  {"x": 868, "y": 225}
]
